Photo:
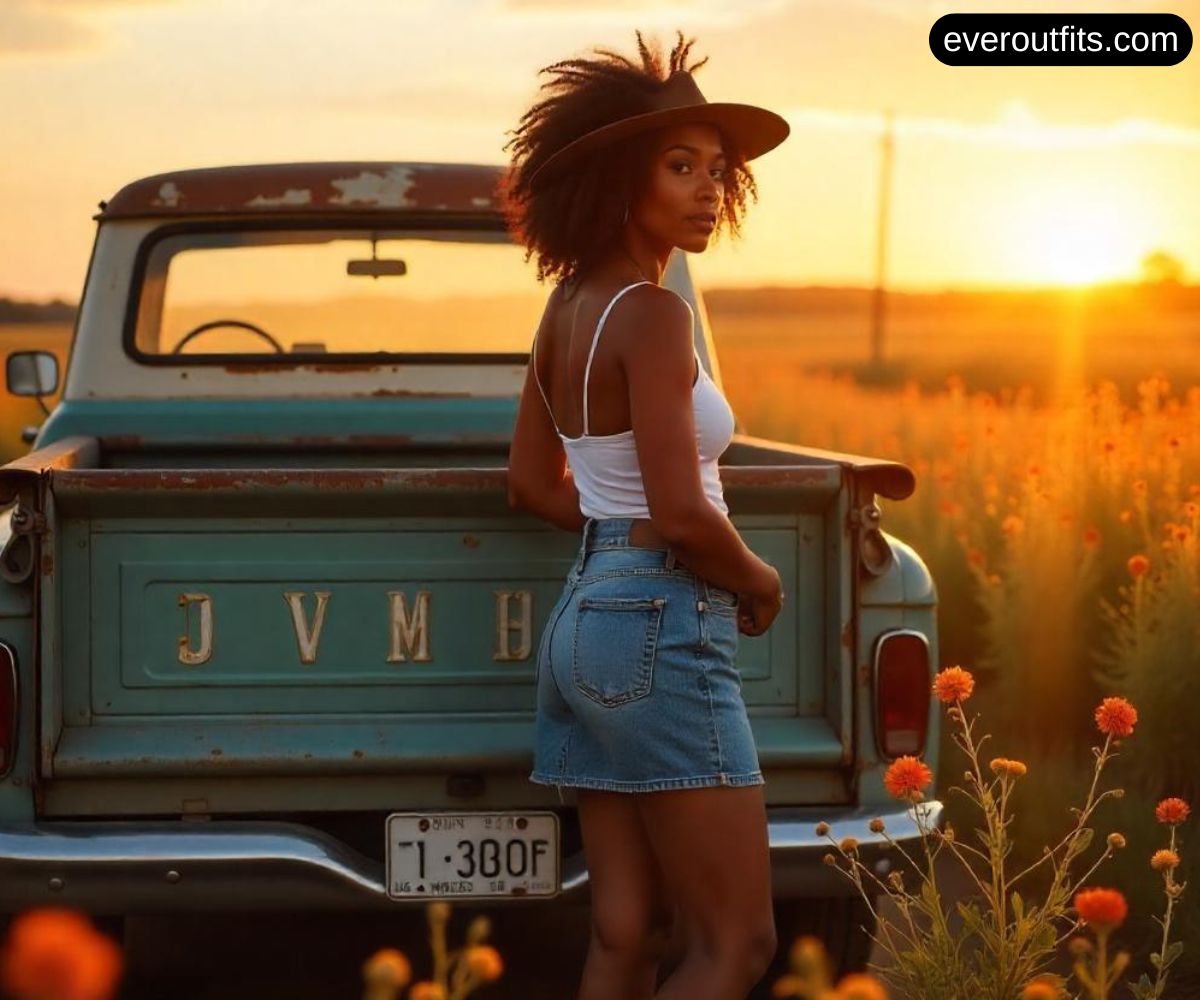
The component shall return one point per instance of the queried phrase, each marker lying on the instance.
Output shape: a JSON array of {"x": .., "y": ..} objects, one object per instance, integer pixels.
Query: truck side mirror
[{"x": 31, "y": 373}]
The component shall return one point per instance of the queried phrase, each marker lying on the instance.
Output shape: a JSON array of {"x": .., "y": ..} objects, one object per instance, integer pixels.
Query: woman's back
[{"x": 605, "y": 465}]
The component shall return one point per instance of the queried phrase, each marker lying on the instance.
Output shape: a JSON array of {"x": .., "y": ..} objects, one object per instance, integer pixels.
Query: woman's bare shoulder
[
  {"x": 658, "y": 309},
  {"x": 658, "y": 302}
]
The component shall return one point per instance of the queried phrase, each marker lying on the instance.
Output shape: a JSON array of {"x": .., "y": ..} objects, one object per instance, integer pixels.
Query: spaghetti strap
[
  {"x": 592, "y": 350},
  {"x": 537, "y": 379}
]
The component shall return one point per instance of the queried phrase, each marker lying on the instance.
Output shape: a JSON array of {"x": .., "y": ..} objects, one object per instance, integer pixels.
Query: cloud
[
  {"x": 1015, "y": 125},
  {"x": 51, "y": 27}
]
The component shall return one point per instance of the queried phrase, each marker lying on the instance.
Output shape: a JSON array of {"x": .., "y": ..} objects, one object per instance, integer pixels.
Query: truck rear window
[{"x": 265, "y": 293}]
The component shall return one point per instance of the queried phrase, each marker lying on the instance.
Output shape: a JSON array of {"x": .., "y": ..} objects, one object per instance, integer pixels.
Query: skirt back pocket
[{"x": 614, "y": 646}]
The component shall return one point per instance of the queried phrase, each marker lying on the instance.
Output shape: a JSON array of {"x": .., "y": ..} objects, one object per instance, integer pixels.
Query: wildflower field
[
  {"x": 1057, "y": 506},
  {"x": 1056, "y": 443}
]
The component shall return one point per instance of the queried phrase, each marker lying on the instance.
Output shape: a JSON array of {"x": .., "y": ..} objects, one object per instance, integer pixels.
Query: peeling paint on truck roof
[{"x": 278, "y": 188}]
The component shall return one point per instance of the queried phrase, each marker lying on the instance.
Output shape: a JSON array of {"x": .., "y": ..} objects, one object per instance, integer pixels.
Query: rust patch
[
  {"x": 790, "y": 475},
  {"x": 47, "y": 563},
  {"x": 122, "y": 442}
]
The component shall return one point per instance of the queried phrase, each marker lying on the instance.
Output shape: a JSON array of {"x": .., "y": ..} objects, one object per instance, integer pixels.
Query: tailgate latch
[{"x": 16, "y": 560}]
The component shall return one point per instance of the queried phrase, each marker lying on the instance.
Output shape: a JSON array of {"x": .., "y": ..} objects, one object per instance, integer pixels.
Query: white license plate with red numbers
[{"x": 436, "y": 855}]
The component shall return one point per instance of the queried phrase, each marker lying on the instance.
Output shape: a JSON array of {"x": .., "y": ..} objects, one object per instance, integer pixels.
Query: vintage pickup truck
[{"x": 268, "y": 623}]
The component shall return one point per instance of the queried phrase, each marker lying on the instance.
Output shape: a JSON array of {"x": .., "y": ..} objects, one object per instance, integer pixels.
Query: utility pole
[{"x": 881, "y": 234}]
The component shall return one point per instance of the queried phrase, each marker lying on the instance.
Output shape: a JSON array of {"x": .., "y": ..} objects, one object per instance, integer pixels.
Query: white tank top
[{"x": 605, "y": 466}]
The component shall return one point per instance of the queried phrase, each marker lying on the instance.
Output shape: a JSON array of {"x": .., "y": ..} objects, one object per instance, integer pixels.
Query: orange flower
[
  {"x": 1171, "y": 811},
  {"x": 1012, "y": 525},
  {"x": 56, "y": 952},
  {"x": 387, "y": 966},
  {"x": 907, "y": 777},
  {"x": 426, "y": 989},
  {"x": 484, "y": 961},
  {"x": 1115, "y": 717},
  {"x": 1014, "y": 768},
  {"x": 1162, "y": 860},
  {"x": 1091, "y": 536},
  {"x": 1103, "y": 909},
  {"x": 1138, "y": 565},
  {"x": 1043, "y": 987},
  {"x": 788, "y": 986},
  {"x": 953, "y": 684},
  {"x": 860, "y": 986}
]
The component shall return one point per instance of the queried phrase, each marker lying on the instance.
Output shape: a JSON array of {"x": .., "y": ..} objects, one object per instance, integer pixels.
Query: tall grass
[{"x": 1062, "y": 537}]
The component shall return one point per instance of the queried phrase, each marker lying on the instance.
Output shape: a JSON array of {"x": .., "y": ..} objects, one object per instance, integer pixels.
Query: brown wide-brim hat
[{"x": 753, "y": 130}]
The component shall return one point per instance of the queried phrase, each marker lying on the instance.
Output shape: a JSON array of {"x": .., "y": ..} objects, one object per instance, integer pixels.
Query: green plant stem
[
  {"x": 1072, "y": 835},
  {"x": 994, "y": 845},
  {"x": 1160, "y": 980},
  {"x": 1088, "y": 874}
]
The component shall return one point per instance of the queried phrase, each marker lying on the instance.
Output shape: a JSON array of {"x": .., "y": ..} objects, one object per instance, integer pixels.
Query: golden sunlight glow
[{"x": 1075, "y": 236}]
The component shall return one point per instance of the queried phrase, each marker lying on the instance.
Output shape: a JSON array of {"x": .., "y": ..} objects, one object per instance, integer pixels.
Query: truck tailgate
[{"x": 274, "y": 622}]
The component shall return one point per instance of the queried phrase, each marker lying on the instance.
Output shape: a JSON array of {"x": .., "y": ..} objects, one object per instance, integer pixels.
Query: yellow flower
[
  {"x": 1116, "y": 840},
  {"x": 876, "y": 825},
  {"x": 427, "y": 989},
  {"x": 848, "y": 844}
]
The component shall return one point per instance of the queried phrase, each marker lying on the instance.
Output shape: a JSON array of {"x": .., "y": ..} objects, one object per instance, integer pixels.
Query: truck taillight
[
  {"x": 902, "y": 692},
  {"x": 8, "y": 708}
]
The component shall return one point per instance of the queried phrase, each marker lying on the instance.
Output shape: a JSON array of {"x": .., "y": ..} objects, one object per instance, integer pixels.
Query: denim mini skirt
[{"x": 637, "y": 688}]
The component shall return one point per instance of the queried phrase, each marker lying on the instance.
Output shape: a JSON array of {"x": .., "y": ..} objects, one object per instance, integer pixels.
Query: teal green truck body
[{"x": 196, "y": 726}]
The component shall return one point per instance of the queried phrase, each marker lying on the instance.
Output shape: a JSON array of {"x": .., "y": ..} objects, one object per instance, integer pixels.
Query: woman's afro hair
[{"x": 575, "y": 220}]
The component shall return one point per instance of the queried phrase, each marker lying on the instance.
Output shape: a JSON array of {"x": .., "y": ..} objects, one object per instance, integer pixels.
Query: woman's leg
[
  {"x": 631, "y": 913},
  {"x": 712, "y": 846}
]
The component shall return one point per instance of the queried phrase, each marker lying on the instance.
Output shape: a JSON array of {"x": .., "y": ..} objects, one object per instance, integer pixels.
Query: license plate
[{"x": 440, "y": 854}]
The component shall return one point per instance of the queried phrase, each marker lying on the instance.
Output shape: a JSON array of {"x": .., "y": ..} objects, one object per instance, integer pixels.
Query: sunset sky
[{"x": 1006, "y": 176}]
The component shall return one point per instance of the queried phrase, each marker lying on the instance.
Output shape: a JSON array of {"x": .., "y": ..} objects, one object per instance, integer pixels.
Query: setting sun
[{"x": 1074, "y": 234}]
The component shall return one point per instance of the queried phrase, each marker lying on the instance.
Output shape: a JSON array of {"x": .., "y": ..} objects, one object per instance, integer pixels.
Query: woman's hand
[{"x": 757, "y": 610}]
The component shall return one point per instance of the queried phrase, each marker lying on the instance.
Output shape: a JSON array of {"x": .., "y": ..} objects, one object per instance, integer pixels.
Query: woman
[{"x": 618, "y": 436}]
